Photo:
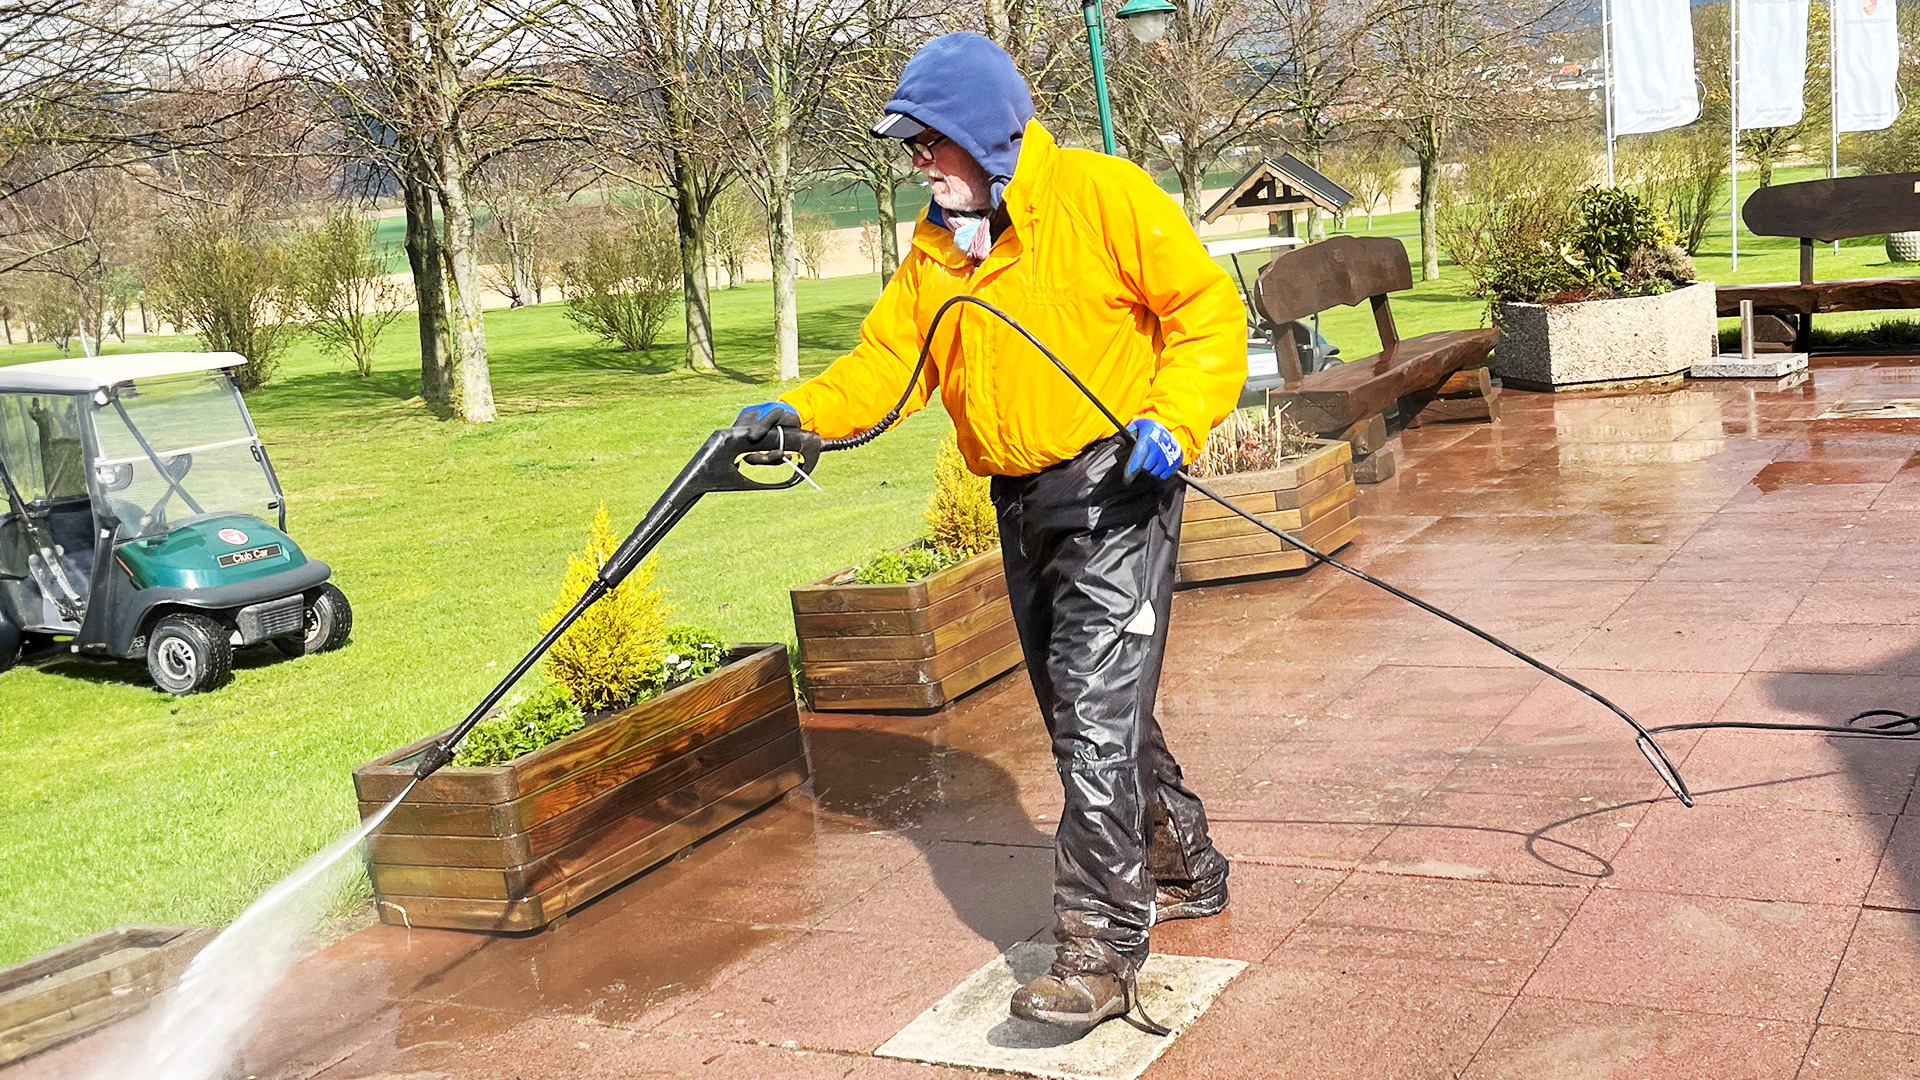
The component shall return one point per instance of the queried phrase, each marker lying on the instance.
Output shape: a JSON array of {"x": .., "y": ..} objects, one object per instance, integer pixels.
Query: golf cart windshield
[{"x": 177, "y": 448}]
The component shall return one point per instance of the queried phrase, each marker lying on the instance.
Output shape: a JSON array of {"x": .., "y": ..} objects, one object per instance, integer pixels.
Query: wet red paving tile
[
  {"x": 1478, "y": 935},
  {"x": 958, "y": 891},
  {"x": 1276, "y": 1021},
  {"x": 1896, "y": 884},
  {"x": 1840, "y": 1053},
  {"x": 1880, "y": 977},
  {"x": 1712, "y": 850},
  {"x": 1528, "y": 840},
  {"x": 831, "y": 991},
  {"x": 1268, "y": 903},
  {"x": 1540, "y": 1038},
  {"x": 1768, "y": 960},
  {"x": 1875, "y": 602}
]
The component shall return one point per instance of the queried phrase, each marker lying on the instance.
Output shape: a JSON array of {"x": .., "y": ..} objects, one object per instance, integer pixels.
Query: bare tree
[
  {"x": 339, "y": 283},
  {"x": 662, "y": 121},
  {"x": 1367, "y": 168},
  {"x": 520, "y": 192},
  {"x": 1449, "y": 67},
  {"x": 788, "y": 51},
  {"x": 1196, "y": 93},
  {"x": 74, "y": 230},
  {"x": 440, "y": 88}
]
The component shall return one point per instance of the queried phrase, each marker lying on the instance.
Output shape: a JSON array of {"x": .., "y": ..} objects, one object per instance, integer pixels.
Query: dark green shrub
[
  {"x": 898, "y": 567},
  {"x": 539, "y": 718},
  {"x": 1609, "y": 225}
]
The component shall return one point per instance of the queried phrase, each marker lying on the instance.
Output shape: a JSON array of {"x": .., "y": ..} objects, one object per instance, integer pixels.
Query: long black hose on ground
[{"x": 1882, "y": 723}]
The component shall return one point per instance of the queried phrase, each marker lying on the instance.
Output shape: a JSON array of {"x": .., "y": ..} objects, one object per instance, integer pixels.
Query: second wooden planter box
[
  {"x": 915, "y": 646},
  {"x": 515, "y": 846},
  {"x": 1310, "y": 497}
]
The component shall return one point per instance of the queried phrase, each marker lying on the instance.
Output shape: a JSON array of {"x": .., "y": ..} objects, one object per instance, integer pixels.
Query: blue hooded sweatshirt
[{"x": 965, "y": 87}]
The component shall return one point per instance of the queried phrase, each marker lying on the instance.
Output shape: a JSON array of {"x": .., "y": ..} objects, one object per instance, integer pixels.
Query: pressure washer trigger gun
[{"x": 717, "y": 466}]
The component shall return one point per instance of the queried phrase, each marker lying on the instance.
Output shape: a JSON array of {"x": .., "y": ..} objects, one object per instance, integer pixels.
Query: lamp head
[{"x": 1147, "y": 20}]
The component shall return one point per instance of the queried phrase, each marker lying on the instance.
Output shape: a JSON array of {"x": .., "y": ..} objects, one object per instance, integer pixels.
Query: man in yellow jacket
[{"x": 1095, "y": 260}]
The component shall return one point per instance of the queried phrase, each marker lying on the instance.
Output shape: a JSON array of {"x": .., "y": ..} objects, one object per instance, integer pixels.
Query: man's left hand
[{"x": 1155, "y": 450}]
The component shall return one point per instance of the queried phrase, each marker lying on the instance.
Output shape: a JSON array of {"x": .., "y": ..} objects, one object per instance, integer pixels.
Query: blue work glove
[
  {"x": 760, "y": 420},
  {"x": 1155, "y": 450}
]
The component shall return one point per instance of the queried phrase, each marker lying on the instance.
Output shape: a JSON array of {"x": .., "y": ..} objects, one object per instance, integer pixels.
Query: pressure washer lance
[{"x": 718, "y": 467}]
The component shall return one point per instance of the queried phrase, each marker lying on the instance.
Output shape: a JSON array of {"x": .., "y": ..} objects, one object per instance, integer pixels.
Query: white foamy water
[{"x": 203, "y": 1018}]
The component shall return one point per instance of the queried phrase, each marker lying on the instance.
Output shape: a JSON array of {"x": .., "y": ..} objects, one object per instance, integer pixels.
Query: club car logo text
[
  {"x": 250, "y": 555},
  {"x": 233, "y": 536}
]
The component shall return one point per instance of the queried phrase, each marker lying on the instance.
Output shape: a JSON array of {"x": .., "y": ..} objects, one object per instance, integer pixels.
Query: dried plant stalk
[{"x": 1249, "y": 440}]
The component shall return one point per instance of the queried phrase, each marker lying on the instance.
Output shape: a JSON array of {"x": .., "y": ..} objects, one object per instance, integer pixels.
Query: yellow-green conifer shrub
[
  {"x": 960, "y": 518},
  {"x": 611, "y": 656}
]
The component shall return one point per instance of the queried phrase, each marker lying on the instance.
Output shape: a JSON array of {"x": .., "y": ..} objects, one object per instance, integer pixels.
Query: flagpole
[
  {"x": 1833, "y": 92},
  {"x": 1606, "y": 63},
  {"x": 1733, "y": 126}
]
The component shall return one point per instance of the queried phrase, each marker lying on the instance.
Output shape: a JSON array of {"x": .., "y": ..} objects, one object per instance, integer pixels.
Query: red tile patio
[{"x": 1447, "y": 865}]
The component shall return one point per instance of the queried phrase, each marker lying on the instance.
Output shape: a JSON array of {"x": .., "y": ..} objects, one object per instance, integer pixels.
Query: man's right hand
[{"x": 760, "y": 420}]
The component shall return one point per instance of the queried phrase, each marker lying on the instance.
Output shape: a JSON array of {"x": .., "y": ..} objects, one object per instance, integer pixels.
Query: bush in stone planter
[{"x": 1613, "y": 244}]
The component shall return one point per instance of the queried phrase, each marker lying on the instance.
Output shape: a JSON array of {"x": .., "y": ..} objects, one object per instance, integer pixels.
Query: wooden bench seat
[
  {"x": 1434, "y": 376},
  {"x": 1826, "y": 211}
]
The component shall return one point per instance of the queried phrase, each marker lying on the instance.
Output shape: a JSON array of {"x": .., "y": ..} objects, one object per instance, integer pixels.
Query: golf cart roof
[
  {"x": 85, "y": 374},
  {"x": 1217, "y": 248}
]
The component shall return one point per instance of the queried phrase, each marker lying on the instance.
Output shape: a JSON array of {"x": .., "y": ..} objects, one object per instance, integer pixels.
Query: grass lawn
[{"x": 124, "y": 805}]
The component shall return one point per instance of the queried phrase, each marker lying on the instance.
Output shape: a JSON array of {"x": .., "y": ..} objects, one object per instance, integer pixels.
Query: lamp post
[{"x": 1147, "y": 20}]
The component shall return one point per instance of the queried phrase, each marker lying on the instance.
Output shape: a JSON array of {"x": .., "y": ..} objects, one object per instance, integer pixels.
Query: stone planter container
[
  {"x": 1601, "y": 343},
  {"x": 89, "y": 984},
  {"x": 914, "y": 647},
  {"x": 1903, "y": 247},
  {"x": 516, "y": 846},
  {"x": 1310, "y": 496}
]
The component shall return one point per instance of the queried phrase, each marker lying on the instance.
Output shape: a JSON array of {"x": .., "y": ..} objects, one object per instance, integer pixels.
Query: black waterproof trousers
[{"x": 1090, "y": 560}]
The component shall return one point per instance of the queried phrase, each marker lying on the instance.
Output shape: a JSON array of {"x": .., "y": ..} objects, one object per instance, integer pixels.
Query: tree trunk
[
  {"x": 470, "y": 387},
  {"x": 693, "y": 264},
  {"x": 1192, "y": 176},
  {"x": 786, "y": 313},
  {"x": 429, "y": 291},
  {"x": 884, "y": 188},
  {"x": 1429, "y": 158}
]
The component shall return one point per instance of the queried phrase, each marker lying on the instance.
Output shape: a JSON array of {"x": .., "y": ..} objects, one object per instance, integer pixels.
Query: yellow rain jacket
[{"x": 1102, "y": 266}]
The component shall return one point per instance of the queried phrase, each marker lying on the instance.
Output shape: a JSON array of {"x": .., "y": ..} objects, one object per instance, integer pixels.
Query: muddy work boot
[
  {"x": 1190, "y": 899},
  {"x": 1081, "y": 989}
]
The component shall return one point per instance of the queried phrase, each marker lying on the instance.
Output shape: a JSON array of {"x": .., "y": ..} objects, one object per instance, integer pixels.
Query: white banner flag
[
  {"x": 1866, "y": 47},
  {"x": 1773, "y": 62},
  {"x": 1652, "y": 76}
]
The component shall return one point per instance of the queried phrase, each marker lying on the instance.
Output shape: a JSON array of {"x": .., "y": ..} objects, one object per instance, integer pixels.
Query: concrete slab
[
  {"x": 1764, "y": 366},
  {"x": 970, "y": 1026}
]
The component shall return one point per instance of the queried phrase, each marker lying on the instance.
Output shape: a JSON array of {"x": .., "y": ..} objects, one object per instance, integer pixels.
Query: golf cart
[
  {"x": 135, "y": 502},
  {"x": 1264, "y": 369}
]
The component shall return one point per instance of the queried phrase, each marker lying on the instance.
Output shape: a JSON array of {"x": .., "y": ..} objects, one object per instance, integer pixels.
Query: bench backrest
[
  {"x": 1837, "y": 209},
  {"x": 1335, "y": 272}
]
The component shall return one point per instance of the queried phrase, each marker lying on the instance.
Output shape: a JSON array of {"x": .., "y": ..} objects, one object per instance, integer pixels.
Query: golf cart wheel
[
  {"x": 188, "y": 653},
  {"x": 329, "y": 619}
]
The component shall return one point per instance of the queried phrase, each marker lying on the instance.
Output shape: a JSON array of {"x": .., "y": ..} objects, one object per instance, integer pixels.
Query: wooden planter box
[
  {"x": 915, "y": 646},
  {"x": 515, "y": 846},
  {"x": 89, "y": 984},
  {"x": 1310, "y": 497}
]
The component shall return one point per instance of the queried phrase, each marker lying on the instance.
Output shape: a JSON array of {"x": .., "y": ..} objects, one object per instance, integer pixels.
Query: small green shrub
[
  {"x": 688, "y": 653},
  {"x": 539, "y": 718},
  {"x": 898, "y": 567}
]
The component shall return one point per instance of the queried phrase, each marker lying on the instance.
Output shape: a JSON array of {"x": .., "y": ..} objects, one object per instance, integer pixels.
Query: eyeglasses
[{"x": 923, "y": 151}]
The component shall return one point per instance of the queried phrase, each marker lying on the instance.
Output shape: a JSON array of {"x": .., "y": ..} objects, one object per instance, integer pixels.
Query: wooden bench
[
  {"x": 1438, "y": 376},
  {"x": 1824, "y": 211}
]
